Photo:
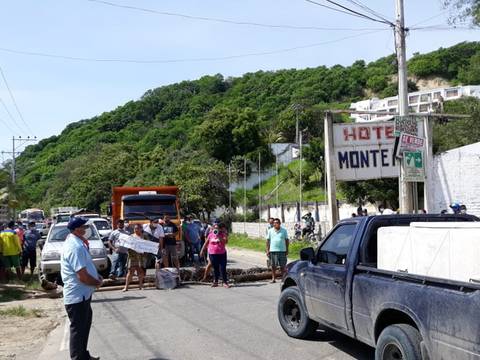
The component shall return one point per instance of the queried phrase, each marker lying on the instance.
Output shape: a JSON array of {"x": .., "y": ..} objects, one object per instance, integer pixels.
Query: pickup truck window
[{"x": 335, "y": 248}]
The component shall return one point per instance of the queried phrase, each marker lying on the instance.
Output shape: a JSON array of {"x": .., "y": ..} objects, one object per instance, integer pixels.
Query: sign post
[{"x": 330, "y": 166}]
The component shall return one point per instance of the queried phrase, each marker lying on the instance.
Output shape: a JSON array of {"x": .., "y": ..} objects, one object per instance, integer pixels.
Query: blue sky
[{"x": 52, "y": 93}]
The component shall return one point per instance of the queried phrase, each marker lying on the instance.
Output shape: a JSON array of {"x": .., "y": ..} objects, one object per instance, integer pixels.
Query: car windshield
[
  {"x": 102, "y": 225},
  {"x": 63, "y": 218},
  {"x": 35, "y": 216},
  {"x": 59, "y": 233},
  {"x": 136, "y": 210}
]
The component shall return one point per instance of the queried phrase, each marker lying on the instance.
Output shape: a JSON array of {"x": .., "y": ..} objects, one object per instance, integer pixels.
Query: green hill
[{"x": 185, "y": 133}]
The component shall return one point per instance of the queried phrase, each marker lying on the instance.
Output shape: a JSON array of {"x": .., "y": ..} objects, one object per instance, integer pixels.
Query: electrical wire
[
  {"x": 12, "y": 119},
  {"x": 7, "y": 126},
  {"x": 348, "y": 11},
  {"x": 228, "y": 21},
  {"x": 14, "y": 101},
  {"x": 430, "y": 18},
  {"x": 371, "y": 11},
  {"x": 184, "y": 60},
  {"x": 441, "y": 27}
]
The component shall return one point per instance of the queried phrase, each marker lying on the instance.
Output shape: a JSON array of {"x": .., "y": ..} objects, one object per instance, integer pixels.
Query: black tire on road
[
  {"x": 400, "y": 341},
  {"x": 292, "y": 314}
]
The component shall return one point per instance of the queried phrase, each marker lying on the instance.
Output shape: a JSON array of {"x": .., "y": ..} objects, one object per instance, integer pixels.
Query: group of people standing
[
  {"x": 163, "y": 232},
  {"x": 211, "y": 241},
  {"x": 18, "y": 249}
]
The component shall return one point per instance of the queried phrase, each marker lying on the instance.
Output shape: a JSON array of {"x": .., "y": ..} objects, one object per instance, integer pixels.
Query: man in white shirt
[{"x": 156, "y": 233}]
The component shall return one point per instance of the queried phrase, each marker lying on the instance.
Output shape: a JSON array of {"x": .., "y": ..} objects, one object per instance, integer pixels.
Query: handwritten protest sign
[{"x": 138, "y": 245}]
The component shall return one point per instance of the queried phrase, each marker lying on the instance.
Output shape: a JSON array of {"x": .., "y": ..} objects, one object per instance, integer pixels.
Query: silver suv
[{"x": 52, "y": 250}]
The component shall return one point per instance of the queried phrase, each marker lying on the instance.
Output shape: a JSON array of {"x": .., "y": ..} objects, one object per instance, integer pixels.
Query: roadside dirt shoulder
[{"x": 23, "y": 337}]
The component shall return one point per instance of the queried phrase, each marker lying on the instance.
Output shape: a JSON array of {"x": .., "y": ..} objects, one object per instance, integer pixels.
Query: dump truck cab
[{"x": 139, "y": 205}]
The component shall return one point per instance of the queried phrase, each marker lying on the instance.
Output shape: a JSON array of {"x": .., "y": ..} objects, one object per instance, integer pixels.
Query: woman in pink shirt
[{"x": 215, "y": 243}]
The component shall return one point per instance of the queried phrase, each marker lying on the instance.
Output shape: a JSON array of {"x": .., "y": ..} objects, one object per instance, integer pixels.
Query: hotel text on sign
[{"x": 364, "y": 151}]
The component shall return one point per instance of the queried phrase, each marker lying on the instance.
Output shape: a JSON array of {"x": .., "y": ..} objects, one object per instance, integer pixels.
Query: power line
[
  {"x": 332, "y": 8},
  {"x": 184, "y": 60},
  {"x": 14, "y": 122},
  {"x": 441, "y": 27},
  {"x": 430, "y": 18},
  {"x": 6, "y": 125},
  {"x": 371, "y": 11},
  {"x": 14, "y": 101},
  {"x": 349, "y": 11},
  {"x": 227, "y": 21}
]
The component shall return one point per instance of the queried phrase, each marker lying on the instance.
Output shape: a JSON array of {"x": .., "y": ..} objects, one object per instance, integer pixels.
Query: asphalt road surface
[{"x": 199, "y": 322}]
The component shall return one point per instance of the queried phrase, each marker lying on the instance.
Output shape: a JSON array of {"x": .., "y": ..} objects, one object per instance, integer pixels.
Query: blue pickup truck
[{"x": 404, "y": 316}]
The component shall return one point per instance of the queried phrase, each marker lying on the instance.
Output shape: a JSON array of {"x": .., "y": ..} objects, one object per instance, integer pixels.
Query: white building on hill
[{"x": 418, "y": 102}]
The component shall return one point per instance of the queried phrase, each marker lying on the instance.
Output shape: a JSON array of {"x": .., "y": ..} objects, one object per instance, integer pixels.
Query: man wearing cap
[
  {"x": 120, "y": 253},
  {"x": 80, "y": 279}
]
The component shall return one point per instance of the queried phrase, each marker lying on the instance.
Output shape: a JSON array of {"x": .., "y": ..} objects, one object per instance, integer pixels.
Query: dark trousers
[
  {"x": 80, "y": 316},
  {"x": 219, "y": 264}
]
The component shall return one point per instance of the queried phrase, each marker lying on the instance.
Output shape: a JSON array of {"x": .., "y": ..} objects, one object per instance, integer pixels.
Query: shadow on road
[
  {"x": 250, "y": 285},
  {"x": 344, "y": 343},
  {"x": 118, "y": 299}
]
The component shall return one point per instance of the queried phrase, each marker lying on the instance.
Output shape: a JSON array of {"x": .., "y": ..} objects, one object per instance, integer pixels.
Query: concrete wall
[
  {"x": 456, "y": 178},
  {"x": 254, "y": 229}
]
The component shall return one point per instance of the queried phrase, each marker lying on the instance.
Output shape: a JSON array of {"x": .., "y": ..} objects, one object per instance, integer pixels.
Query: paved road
[{"x": 198, "y": 322}]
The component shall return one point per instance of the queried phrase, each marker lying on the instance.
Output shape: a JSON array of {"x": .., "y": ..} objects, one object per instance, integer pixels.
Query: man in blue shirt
[
  {"x": 80, "y": 279},
  {"x": 277, "y": 247},
  {"x": 29, "y": 254}
]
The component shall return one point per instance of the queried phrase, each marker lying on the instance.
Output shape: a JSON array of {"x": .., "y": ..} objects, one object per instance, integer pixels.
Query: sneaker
[
  {"x": 214, "y": 284},
  {"x": 226, "y": 285},
  {"x": 112, "y": 277}
]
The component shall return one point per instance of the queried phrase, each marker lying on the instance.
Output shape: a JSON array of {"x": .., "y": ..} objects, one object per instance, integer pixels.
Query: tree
[
  {"x": 463, "y": 11},
  {"x": 384, "y": 191}
]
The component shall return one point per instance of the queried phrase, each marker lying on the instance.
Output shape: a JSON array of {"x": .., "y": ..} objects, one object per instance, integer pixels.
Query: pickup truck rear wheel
[
  {"x": 400, "y": 341},
  {"x": 293, "y": 316}
]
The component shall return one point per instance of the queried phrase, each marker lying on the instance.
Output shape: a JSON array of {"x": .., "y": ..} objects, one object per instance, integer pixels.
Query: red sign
[{"x": 409, "y": 143}]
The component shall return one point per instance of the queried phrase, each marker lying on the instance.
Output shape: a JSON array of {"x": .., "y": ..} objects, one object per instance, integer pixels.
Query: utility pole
[
  {"x": 259, "y": 194},
  {"x": 229, "y": 186},
  {"x": 14, "y": 154},
  {"x": 404, "y": 187},
  {"x": 301, "y": 170},
  {"x": 244, "y": 195}
]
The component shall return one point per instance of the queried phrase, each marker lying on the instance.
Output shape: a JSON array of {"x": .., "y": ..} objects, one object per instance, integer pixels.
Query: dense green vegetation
[
  {"x": 288, "y": 186},
  {"x": 187, "y": 133}
]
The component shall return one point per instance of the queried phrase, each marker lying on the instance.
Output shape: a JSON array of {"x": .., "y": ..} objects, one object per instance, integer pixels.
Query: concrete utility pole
[
  {"x": 330, "y": 165},
  {"x": 301, "y": 180},
  {"x": 405, "y": 188}
]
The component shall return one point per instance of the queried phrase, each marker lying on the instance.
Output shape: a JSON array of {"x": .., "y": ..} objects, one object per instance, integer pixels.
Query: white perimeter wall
[{"x": 456, "y": 177}]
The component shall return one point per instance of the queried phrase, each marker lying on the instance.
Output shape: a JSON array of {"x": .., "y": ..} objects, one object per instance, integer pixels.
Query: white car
[
  {"x": 51, "y": 252},
  {"x": 103, "y": 226}
]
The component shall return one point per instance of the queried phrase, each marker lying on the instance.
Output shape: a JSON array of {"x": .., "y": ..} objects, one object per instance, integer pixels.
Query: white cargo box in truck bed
[{"x": 448, "y": 250}]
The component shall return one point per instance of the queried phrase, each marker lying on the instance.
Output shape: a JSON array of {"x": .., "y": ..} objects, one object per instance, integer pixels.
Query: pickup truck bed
[{"x": 404, "y": 316}]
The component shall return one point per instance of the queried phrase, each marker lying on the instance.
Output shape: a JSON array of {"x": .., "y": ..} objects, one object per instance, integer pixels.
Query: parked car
[
  {"x": 103, "y": 227},
  {"x": 52, "y": 249},
  {"x": 42, "y": 228},
  {"x": 402, "y": 315}
]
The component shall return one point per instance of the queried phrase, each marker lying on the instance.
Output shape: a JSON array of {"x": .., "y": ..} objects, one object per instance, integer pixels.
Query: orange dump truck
[{"x": 138, "y": 205}]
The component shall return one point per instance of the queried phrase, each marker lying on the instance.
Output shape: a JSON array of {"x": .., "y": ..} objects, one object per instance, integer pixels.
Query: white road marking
[{"x": 64, "y": 345}]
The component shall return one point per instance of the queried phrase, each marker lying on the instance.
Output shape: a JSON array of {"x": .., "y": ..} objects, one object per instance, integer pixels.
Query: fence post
[{"x": 282, "y": 212}]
